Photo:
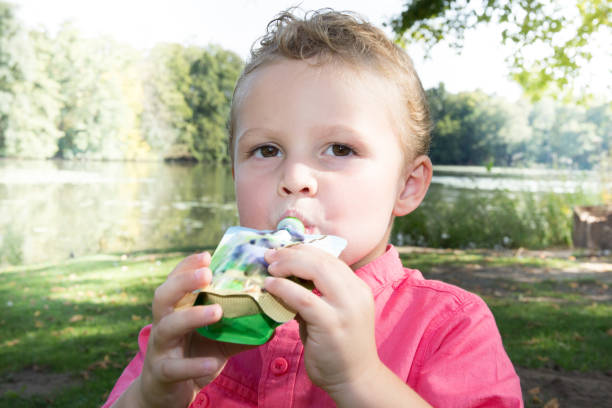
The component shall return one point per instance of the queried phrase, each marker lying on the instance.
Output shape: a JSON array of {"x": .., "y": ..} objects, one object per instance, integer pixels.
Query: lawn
[
  {"x": 80, "y": 317},
  {"x": 549, "y": 314},
  {"x": 73, "y": 325}
]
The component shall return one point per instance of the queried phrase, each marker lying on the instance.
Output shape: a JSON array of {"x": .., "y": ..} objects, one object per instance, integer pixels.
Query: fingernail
[
  {"x": 215, "y": 312},
  {"x": 272, "y": 267},
  {"x": 203, "y": 256},
  {"x": 199, "y": 273},
  {"x": 209, "y": 366},
  {"x": 267, "y": 281}
]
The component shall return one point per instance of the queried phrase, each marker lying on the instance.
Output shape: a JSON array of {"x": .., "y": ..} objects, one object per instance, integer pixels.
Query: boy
[{"x": 329, "y": 124}]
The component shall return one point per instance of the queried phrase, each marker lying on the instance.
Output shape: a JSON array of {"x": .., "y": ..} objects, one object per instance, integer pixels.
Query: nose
[{"x": 298, "y": 178}]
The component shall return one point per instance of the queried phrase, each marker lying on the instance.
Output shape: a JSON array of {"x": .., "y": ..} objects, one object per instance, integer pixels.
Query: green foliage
[
  {"x": 97, "y": 118},
  {"x": 73, "y": 97},
  {"x": 565, "y": 28},
  {"x": 476, "y": 129},
  {"x": 214, "y": 75},
  {"x": 490, "y": 219},
  {"x": 12, "y": 65},
  {"x": 11, "y": 243},
  {"x": 569, "y": 135},
  {"x": 32, "y": 130},
  {"x": 167, "y": 117}
]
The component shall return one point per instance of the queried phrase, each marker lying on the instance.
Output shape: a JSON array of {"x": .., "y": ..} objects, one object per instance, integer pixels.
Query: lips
[{"x": 309, "y": 227}]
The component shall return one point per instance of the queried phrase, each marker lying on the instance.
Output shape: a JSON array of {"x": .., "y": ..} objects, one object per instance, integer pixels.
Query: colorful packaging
[{"x": 250, "y": 314}]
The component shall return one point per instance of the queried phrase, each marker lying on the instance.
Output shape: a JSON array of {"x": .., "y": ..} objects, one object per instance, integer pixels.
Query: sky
[{"x": 236, "y": 24}]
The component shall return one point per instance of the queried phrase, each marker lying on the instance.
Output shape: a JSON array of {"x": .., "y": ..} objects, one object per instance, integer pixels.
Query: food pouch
[{"x": 250, "y": 314}]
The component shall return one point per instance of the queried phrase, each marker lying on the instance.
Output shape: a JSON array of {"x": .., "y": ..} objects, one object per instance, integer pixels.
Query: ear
[{"x": 415, "y": 183}]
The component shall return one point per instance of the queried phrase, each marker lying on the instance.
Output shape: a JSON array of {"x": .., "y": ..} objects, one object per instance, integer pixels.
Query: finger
[
  {"x": 192, "y": 262},
  {"x": 182, "y": 369},
  {"x": 169, "y": 293},
  {"x": 330, "y": 275},
  {"x": 201, "y": 346},
  {"x": 309, "y": 306},
  {"x": 175, "y": 325},
  {"x": 187, "y": 265}
]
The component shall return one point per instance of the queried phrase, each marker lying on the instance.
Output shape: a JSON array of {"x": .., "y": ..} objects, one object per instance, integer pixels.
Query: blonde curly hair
[{"x": 330, "y": 36}]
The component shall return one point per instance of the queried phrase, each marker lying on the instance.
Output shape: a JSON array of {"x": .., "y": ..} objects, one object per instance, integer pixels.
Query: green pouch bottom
[{"x": 252, "y": 329}]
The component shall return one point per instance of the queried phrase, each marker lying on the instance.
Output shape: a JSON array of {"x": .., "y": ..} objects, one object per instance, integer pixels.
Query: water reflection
[
  {"x": 51, "y": 210},
  {"x": 520, "y": 180}
]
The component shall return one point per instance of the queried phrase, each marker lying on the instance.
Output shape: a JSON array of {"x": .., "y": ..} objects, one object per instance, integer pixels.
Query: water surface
[{"x": 52, "y": 210}]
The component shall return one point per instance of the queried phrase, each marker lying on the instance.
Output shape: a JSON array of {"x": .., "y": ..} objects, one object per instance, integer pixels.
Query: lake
[{"x": 52, "y": 210}]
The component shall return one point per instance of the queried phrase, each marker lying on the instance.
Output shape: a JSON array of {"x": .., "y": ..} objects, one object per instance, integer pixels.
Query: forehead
[
  {"x": 342, "y": 75},
  {"x": 334, "y": 88}
]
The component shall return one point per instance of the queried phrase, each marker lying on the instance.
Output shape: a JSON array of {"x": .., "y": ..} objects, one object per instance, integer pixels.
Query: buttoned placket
[
  {"x": 280, "y": 368},
  {"x": 201, "y": 400}
]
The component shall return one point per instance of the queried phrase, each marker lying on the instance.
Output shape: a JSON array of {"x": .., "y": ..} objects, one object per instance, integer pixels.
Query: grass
[
  {"x": 571, "y": 335},
  {"x": 82, "y": 317},
  {"x": 549, "y": 323}
]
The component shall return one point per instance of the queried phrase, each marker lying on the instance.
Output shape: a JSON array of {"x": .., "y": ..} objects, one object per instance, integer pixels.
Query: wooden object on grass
[{"x": 593, "y": 227}]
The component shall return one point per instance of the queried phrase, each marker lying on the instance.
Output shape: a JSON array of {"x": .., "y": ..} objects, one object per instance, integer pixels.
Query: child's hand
[
  {"x": 337, "y": 328},
  {"x": 178, "y": 361}
]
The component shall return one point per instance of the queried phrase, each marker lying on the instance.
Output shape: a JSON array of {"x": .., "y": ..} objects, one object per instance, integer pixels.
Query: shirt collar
[{"x": 385, "y": 269}]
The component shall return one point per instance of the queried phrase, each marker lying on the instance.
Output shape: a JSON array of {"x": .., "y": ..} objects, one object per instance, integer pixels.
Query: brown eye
[
  {"x": 341, "y": 150},
  {"x": 267, "y": 151}
]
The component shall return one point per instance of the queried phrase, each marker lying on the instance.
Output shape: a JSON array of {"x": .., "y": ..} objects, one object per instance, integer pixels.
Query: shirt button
[
  {"x": 279, "y": 366},
  {"x": 201, "y": 400}
]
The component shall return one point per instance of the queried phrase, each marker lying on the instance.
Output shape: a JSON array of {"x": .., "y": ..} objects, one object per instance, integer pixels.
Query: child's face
[{"x": 318, "y": 143}]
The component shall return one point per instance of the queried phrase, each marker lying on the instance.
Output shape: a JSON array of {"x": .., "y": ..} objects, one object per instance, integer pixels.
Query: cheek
[
  {"x": 362, "y": 212},
  {"x": 350, "y": 214},
  {"x": 251, "y": 196},
  {"x": 371, "y": 193},
  {"x": 255, "y": 201}
]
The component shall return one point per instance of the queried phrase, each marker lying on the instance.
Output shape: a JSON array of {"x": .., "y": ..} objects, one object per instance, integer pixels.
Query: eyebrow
[
  {"x": 255, "y": 132},
  {"x": 330, "y": 130},
  {"x": 321, "y": 131}
]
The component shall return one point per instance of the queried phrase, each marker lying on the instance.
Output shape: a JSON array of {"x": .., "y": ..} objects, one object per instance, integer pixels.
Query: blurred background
[
  {"x": 113, "y": 167},
  {"x": 112, "y": 120}
]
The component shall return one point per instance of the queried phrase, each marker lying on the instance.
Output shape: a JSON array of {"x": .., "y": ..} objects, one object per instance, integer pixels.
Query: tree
[
  {"x": 167, "y": 117},
  {"x": 31, "y": 129},
  {"x": 12, "y": 64},
  {"x": 187, "y": 99},
  {"x": 566, "y": 135},
  {"x": 29, "y": 103},
  {"x": 476, "y": 129},
  {"x": 566, "y": 28},
  {"x": 92, "y": 106},
  {"x": 213, "y": 76}
]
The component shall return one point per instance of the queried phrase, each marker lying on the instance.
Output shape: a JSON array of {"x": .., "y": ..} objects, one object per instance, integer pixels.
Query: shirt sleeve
[
  {"x": 465, "y": 364},
  {"x": 133, "y": 369}
]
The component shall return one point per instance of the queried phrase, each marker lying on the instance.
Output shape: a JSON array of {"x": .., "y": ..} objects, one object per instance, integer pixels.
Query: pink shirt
[{"x": 439, "y": 339}]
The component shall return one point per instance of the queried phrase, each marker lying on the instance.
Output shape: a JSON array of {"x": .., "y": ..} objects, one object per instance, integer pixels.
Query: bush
[{"x": 489, "y": 219}]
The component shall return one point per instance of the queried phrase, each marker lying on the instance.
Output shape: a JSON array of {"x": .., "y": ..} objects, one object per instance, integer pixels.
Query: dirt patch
[
  {"x": 594, "y": 273},
  {"x": 545, "y": 387},
  {"x": 35, "y": 381},
  {"x": 588, "y": 275}
]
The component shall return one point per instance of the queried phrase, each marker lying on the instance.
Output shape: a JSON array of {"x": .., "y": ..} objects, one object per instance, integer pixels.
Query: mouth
[{"x": 309, "y": 228}]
